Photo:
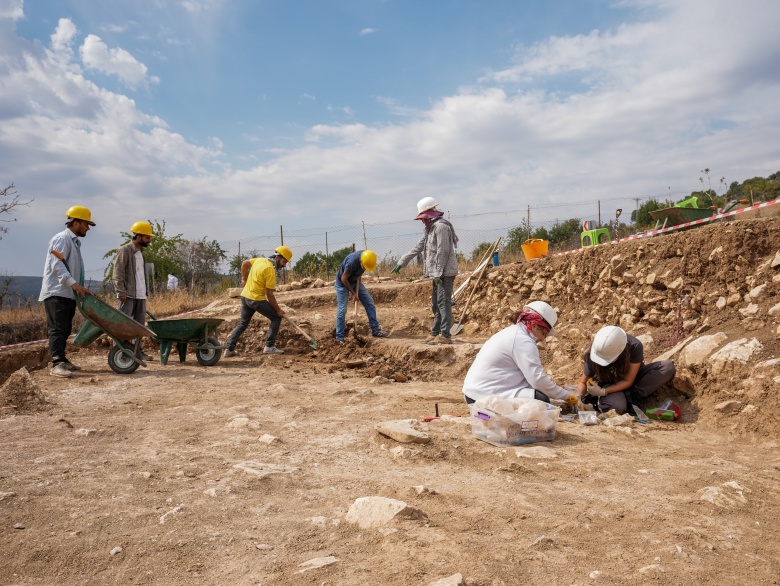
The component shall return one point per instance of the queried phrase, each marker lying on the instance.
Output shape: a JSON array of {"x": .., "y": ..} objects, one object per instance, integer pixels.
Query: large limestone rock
[
  {"x": 234, "y": 292},
  {"x": 736, "y": 352},
  {"x": 403, "y": 431},
  {"x": 699, "y": 350},
  {"x": 378, "y": 511}
]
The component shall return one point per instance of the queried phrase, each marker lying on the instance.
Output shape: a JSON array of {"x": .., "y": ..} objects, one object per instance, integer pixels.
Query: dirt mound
[
  {"x": 717, "y": 279},
  {"x": 21, "y": 393}
]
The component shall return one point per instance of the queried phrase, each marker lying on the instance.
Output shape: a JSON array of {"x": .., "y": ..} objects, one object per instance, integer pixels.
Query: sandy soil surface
[{"x": 243, "y": 472}]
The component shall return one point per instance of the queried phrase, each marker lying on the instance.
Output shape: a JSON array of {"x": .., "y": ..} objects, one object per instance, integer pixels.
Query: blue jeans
[
  {"x": 441, "y": 304},
  {"x": 248, "y": 308},
  {"x": 342, "y": 296}
]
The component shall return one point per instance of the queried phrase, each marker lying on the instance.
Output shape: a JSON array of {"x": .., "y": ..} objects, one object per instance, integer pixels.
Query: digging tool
[
  {"x": 361, "y": 341},
  {"x": 458, "y": 327},
  {"x": 484, "y": 261},
  {"x": 312, "y": 341}
]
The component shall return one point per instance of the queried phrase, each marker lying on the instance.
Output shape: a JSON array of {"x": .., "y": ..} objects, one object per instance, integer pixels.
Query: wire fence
[{"x": 391, "y": 240}]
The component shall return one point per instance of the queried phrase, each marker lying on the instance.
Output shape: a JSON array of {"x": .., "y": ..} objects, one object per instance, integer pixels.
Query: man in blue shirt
[
  {"x": 349, "y": 287},
  {"x": 63, "y": 277}
]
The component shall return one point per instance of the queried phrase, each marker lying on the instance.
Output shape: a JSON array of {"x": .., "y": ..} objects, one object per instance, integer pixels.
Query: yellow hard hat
[
  {"x": 285, "y": 252},
  {"x": 144, "y": 228},
  {"x": 80, "y": 213},
  {"x": 368, "y": 260}
]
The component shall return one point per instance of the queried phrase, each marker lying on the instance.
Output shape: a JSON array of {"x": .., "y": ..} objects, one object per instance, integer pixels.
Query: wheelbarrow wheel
[
  {"x": 119, "y": 362},
  {"x": 209, "y": 356}
]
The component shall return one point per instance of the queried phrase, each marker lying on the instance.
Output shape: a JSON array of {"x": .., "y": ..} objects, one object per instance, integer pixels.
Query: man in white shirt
[{"x": 63, "y": 276}]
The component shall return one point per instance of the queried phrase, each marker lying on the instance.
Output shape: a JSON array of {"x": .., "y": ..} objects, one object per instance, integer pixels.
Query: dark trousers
[
  {"x": 59, "y": 323},
  {"x": 248, "y": 308},
  {"x": 649, "y": 379},
  {"x": 135, "y": 308}
]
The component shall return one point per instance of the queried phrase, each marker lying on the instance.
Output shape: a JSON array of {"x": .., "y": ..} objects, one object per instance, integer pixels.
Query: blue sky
[{"x": 227, "y": 119}]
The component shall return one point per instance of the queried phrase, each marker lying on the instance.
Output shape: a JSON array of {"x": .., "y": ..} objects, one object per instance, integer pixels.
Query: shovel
[
  {"x": 312, "y": 341},
  {"x": 358, "y": 338},
  {"x": 458, "y": 327}
]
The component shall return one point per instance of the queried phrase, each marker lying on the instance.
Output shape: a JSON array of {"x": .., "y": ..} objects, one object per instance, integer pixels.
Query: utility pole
[{"x": 365, "y": 242}]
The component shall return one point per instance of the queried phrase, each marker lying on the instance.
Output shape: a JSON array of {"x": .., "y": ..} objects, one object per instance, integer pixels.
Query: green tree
[
  {"x": 163, "y": 252},
  {"x": 479, "y": 251},
  {"x": 310, "y": 264},
  {"x": 234, "y": 264},
  {"x": 202, "y": 259},
  {"x": 641, "y": 216},
  {"x": 515, "y": 238},
  {"x": 563, "y": 232}
]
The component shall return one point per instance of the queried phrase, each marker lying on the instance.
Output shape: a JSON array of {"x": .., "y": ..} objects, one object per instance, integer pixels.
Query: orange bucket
[{"x": 534, "y": 248}]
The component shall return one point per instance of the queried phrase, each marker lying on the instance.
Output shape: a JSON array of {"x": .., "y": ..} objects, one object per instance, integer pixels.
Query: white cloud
[
  {"x": 202, "y": 6},
  {"x": 98, "y": 56},
  {"x": 367, "y": 31},
  {"x": 12, "y": 9},
  {"x": 620, "y": 112}
]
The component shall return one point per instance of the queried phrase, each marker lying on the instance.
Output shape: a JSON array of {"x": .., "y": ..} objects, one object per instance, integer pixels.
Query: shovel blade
[{"x": 456, "y": 329}]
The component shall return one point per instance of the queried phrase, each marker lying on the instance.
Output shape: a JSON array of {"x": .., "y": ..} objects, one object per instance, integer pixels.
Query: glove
[
  {"x": 573, "y": 400},
  {"x": 437, "y": 280},
  {"x": 597, "y": 391},
  {"x": 396, "y": 269}
]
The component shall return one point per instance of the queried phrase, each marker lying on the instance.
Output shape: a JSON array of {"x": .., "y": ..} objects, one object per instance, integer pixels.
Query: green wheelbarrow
[
  {"x": 100, "y": 318},
  {"x": 125, "y": 357},
  {"x": 198, "y": 332}
]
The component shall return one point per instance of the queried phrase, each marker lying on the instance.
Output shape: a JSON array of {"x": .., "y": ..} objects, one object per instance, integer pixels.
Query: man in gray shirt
[{"x": 63, "y": 277}]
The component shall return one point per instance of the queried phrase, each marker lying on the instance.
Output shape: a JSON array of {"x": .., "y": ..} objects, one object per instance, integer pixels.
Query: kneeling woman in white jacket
[{"x": 508, "y": 365}]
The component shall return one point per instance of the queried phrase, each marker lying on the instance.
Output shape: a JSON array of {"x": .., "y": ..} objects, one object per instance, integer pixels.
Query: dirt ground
[{"x": 243, "y": 472}]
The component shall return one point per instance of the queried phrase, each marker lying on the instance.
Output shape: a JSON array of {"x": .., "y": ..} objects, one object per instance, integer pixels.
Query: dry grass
[{"x": 21, "y": 324}]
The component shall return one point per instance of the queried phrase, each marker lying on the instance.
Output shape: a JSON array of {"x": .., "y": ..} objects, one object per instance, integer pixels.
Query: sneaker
[
  {"x": 272, "y": 350},
  {"x": 146, "y": 357},
  {"x": 380, "y": 334},
  {"x": 230, "y": 353},
  {"x": 61, "y": 370},
  {"x": 70, "y": 366},
  {"x": 339, "y": 341}
]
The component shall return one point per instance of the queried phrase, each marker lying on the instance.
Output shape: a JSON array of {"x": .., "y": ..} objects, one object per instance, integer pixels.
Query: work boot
[
  {"x": 445, "y": 341},
  {"x": 230, "y": 353},
  {"x": 70, "y": 366},
  {"x": 430, "y": 340},
  {"x": 272, "y": 350},
  {"x": 61, "y": 370},
  {"x": 146, "y": 357},
  {"x": 380, "y": 334}
]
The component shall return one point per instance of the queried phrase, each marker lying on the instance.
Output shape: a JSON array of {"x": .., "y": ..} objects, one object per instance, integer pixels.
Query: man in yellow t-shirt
[{"x": 258, "y": 276}]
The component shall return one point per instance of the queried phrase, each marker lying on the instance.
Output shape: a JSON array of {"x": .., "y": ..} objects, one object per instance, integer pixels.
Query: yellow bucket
[{"x": 534, "y": 248}]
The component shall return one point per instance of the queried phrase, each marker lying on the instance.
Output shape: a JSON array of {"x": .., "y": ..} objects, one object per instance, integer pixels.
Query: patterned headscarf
[{"x": 531, "y": 319}]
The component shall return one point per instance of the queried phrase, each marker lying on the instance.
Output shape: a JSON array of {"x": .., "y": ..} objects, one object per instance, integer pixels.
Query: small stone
[
  {"x": 728, "y": 406},
  {"x": 733, "y": 299},
  {"x": 399, "y": 378},
  {"x": 720, "y": 303},
  {"x": 269, "y": 439},
  {"x": 540, "y": 452},
  {"x": 776, "y": 261},
  {"x": 6, "y": 495},
  {"x": 212, "y": 492},
  {"x": 750, "y": 311},
  {"x": 652, "y": 568},
  {"x": 146, "y": 475},
  {"x": 19, "y": 526},
  {"x": 316, "y": 563},
  {"x": 454, "y": 580},
  {"x": 774, "y": 311},
  {"x": 85, "y": 432},
  {"x": 116, "y": 550},
  {"x": 380, "y": 380}
]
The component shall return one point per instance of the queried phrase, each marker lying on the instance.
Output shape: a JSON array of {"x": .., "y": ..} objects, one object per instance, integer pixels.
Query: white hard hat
[
  {"x": 548, "y": 313},
  {"x": 608, "y": 344},
  {"x": 425, "y": 204}
]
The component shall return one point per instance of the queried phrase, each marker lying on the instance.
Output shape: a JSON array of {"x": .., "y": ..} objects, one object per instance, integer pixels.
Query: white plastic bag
[{"x": 513, "y": 422}]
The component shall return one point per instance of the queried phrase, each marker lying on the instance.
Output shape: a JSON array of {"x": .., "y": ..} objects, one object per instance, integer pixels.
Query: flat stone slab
[
  {"x": 317, "y": 563},
  {"x": 540, "y": 452},
  {"x": 261, "y": 470},
  {"x": 402, "y": 430},
  {"x": 377, "y": 511}
]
